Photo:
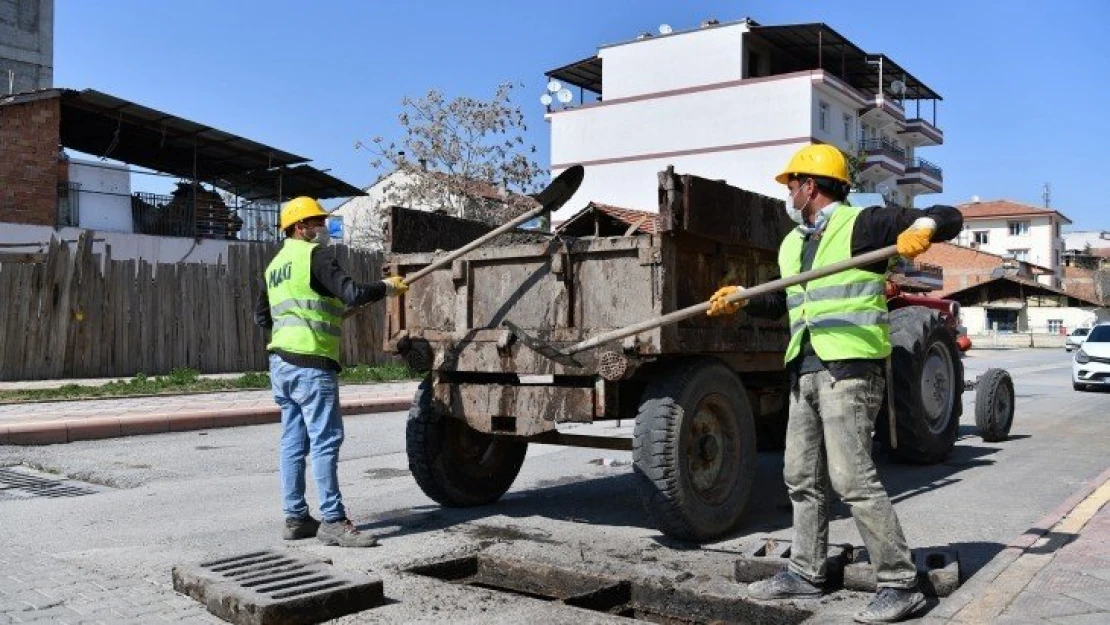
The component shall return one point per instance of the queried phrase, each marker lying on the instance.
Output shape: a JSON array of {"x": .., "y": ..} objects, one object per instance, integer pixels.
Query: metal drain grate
[
  {"x": 18, "y": 483},
  {"x": 264, "y": 587}
]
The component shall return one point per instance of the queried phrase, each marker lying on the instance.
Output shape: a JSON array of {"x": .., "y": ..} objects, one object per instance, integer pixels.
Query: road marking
[{"x": 1006, "y": 587}]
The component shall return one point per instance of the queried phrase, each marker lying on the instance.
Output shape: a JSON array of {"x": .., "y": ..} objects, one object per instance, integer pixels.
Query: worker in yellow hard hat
[
  {"x": 836, "y": 358},
  {"x": 303, "y": 299}
]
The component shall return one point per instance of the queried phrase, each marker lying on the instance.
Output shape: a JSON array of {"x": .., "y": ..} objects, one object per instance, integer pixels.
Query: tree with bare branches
[{"x": 465, "y": 157}]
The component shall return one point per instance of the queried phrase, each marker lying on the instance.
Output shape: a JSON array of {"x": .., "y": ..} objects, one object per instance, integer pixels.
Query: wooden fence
[{"x": 69, "y": 313}]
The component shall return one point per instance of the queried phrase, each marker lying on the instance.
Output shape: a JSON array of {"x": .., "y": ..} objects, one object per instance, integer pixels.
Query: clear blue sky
[{"x": 1025, "y": 94}]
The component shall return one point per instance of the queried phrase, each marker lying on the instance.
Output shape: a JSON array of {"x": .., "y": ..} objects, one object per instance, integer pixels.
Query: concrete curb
[
  {"x": 53, "y": 432},
  {"x": 976, "y": 587}
]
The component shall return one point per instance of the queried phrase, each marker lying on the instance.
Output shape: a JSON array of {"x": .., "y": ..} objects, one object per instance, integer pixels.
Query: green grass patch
[{"x": 185, "y": 380}]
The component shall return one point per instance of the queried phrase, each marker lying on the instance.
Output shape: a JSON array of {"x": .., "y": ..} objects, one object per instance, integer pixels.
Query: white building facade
[
  {"x": 732, "y": 102},
  {"x": 1017, "y": 231}
]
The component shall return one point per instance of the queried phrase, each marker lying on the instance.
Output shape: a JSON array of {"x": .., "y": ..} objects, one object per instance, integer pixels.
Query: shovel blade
[{"x": 546, "y": 350}]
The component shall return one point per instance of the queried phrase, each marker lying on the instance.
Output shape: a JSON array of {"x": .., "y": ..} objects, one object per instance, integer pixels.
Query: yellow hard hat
[
  {"x": 300, "y": 209},
  {"x": 816, "y": 160}
]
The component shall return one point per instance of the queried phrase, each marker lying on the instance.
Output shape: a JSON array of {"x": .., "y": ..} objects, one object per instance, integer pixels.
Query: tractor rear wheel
[{"x": 928, "y": 383}]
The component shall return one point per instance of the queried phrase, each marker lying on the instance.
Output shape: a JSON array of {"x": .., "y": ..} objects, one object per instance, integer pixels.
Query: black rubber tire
[
  {"x": 694, "y": 450},
  {"x": 454, "y": 464},
  {"x": 923, "y": 345},
  {"x": 1078, "y": 387},
  {"x": 994, "y": 405}
]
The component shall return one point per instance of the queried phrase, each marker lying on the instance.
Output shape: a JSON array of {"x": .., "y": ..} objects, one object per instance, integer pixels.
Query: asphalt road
[{"x": 181, "y": 498}]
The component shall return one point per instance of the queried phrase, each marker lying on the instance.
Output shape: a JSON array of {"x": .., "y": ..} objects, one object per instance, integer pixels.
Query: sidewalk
[
  {"x": 1057, "y": 572},
  {"x": 47, "y": 423}
]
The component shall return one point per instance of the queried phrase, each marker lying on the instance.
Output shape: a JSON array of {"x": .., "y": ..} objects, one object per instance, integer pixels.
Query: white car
[
  {"x": 1092, "y": 360},
  {"x": 1075, "y": 339}
]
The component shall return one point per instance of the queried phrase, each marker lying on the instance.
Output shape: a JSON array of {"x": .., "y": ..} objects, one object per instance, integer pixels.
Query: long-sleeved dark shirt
[
  {"x": 329, "y": 280},
  {"x": 875, "y": 228}
]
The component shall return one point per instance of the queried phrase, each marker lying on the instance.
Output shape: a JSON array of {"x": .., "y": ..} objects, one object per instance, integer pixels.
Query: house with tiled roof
[
  {"x": 1019, "y": 231},
  {"x": 603, "y": 220},
  {"x": 999, "y": 294}
]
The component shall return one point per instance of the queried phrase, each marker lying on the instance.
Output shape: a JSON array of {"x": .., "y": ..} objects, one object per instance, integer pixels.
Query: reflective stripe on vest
[
  {"x": 845, "y": 313},
  {"x": 305, "y": 322}
]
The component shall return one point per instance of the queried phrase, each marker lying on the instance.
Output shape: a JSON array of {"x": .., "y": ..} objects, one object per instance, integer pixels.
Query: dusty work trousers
[{"x": 828, "y": 441}]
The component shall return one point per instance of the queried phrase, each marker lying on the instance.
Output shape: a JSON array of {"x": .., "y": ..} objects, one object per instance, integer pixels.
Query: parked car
[
  {"x": 1075, "y": 338},
  {"x": 1092, "y": 360}
]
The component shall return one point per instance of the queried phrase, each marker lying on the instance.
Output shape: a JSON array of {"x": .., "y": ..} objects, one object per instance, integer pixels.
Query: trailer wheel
[
  {"x": 994, "y": 405},
  {"x": 928, "y": 382},
  {"x": 694, "y": 450},
  {"x": 454, "y": 464}
]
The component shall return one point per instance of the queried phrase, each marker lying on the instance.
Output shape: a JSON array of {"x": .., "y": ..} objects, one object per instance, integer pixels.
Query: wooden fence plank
[{"x": 78, "y": 314}]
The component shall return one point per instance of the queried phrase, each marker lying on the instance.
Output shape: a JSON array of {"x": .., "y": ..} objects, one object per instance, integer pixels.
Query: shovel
[
  {"x": 566, "y": 357},
  {"x": 551, "y": 198}
]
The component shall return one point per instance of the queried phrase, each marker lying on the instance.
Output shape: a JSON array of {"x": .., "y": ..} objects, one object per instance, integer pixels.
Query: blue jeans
[
  {"x": 828, "y": 443},
  {"x": 310, "y": 422}
]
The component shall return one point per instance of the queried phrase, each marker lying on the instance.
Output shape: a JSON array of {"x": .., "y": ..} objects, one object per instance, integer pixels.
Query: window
[
  {"x": 982, "y": 237},
  {"x": 847, "y": 127},
  {"x": 1022, "y": 254},
  {"x": 1019, "y": 228},
  {"x": 1054, "y": 325},
  {"x": 823, "y": 115}
]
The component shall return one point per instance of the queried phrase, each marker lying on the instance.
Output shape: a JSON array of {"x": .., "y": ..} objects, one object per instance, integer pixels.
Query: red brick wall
[{"x": 29, "y": 138}]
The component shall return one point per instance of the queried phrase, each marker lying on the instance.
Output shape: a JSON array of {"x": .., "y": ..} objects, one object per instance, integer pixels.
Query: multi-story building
[
  {"x": 1019, "y": 231},
  {"x": 734, "y": 101},
  {"x": 26, "y": 45}
]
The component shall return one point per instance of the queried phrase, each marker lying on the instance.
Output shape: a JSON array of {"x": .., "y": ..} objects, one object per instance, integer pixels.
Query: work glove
[
  {"x": 917, "y": 238},
  {"x": 395, "y": 285},
  {"x": 718, "y": 304}
]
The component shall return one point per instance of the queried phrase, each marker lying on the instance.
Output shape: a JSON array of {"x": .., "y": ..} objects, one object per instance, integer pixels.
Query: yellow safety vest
[
  {"x": 845, "y": 313},
  {"x": 305, "y": 322}
]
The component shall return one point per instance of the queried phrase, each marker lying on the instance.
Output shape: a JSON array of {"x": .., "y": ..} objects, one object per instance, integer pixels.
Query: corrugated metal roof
[{"x": 110, "y": 127}]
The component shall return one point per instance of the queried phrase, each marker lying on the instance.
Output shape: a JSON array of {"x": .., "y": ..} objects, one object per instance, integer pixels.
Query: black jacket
[
  {"x": 329, "y": 280},
  {"x": 875, "y": 228}
]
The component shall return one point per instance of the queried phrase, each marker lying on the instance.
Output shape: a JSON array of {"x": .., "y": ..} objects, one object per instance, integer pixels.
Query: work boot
[
  {"x": 343, "y": 533},
  {"x": 785, "y": 585},
  {"x": 891, "y": 605},
  {"x": 298, "y": 528}
]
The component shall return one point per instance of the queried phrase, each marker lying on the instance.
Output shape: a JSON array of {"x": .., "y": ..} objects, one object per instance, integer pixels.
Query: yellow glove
[
  {"x": 395, "y": 285},
  {"x": 718, "y": 304},
  {"x": 917, "y": 238}
]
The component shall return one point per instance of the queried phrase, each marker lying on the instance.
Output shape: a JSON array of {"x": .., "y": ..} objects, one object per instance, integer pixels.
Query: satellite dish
[
  {"x": 565, "y": 96},
  {"x": 545, "y": 99},
  {"x": 897, "y": 87},
  {"x": 665, "y": 29},
  {"x": 554, "y": 85}
]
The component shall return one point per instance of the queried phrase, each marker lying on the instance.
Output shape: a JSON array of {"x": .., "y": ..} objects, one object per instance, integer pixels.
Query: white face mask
[
  {"x": 323, "y": 237},
  {"x": 797, "y": 215}
]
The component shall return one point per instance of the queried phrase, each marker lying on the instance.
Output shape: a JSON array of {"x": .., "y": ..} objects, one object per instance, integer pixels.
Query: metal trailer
[{"x": 702, "y": 392}]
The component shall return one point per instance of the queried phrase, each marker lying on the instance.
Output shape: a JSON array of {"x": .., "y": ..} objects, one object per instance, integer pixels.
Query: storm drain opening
[
  {"x": 644, "y": 600},
  {"x": 276, "y": 586},
  {"x": 21, "y": 482}
]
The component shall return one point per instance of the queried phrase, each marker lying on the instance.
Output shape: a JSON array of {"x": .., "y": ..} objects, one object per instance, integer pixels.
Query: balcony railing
[
  {"x": 181, "y": 216},
  {"x": 883, "y": 147},
  {"x": 926, "y": 167}
]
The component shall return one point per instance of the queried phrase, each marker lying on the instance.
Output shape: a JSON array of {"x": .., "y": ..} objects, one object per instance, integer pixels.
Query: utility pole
[{"x": 1046, "y": 195}]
